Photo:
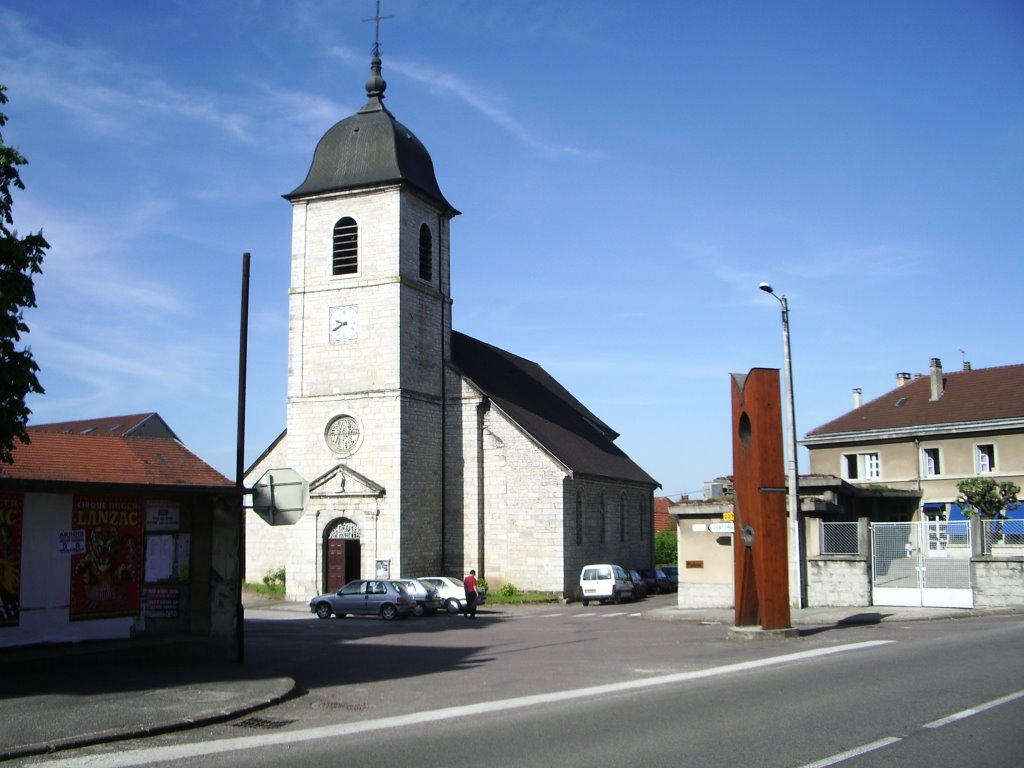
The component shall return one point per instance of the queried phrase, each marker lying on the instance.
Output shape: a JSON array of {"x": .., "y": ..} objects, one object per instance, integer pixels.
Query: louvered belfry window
[
  {"x": 346, "y": 247},
  {"x": 426, "y": 253}
]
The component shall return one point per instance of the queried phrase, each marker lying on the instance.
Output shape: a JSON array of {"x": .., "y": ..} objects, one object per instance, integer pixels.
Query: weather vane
[{"x": 378, "y": 19}]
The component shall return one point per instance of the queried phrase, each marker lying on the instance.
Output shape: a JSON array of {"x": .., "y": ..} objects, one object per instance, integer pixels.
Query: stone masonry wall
[
  {"x": 998, "y": 583},
  {"x": 838, "y": 582}
]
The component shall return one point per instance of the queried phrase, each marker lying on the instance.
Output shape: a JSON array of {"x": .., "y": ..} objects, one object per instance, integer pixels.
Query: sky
[{"x": 627, "y": 173}]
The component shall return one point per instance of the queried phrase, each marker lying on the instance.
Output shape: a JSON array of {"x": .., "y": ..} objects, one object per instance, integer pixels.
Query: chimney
[
  {"x": 856, "y": 397},
  {"x": 935, "y": 372},
  {"x": 967, "y": 365},
  {"x": 902, "y": 379}
]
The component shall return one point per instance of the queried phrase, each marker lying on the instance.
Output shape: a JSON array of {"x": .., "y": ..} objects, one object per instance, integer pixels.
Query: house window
[
  {"x": 579, "y": 517},
  {"x": 931, "y": 462},
  {"x": 426, "y": 253},
  {"x": 985, "y": 458},
  {"x": 604, "y": 522},
  {"x": 862, "y": 466},
  {"x": 346, "y": 247}
]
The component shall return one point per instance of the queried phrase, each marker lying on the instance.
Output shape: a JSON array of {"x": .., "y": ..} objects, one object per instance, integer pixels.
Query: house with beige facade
[
  {"x": 928, "y": 433},
  {"x": 421, "y": 450}
]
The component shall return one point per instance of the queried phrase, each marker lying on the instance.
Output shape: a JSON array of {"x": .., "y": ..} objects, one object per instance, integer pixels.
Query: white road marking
[
  {"x": 146, "y": 756},
  {"x": 855, "y": 752},
  {"x": 965, "y": 713},
  {"x": 954, "y": 718}
]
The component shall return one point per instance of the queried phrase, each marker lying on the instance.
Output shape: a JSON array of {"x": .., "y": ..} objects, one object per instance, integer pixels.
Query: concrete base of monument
[{"x": 760, "y": 633}]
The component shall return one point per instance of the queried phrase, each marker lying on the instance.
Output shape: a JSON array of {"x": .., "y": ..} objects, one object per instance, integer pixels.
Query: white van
[{"x": 605, "y": 582}]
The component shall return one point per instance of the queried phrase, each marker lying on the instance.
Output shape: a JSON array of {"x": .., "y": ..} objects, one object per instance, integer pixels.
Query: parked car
[
  {"x": 389, "y": 599},
  {"x": 672, "y": 572},
  {"x": 428, "y": 599},
  {"x": 605, "y": 582},
  {"x": 639, "y": 585},
  {"x": 656, "y": 580},
  {"x": 452, "y": 592}
]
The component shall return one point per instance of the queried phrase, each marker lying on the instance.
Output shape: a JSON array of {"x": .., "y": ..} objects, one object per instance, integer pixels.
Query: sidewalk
[{"x": 76, "y": 700}]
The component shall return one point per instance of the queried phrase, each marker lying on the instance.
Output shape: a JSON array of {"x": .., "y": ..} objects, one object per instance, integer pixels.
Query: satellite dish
[{"x": 280, "y": 496}]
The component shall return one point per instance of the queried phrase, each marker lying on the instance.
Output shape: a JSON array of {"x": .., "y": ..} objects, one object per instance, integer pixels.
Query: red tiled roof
[
  {"x": 662, "y": 520},
  {"x": 985, "y": 394},
  {"x": 118, "y": 426},
  {"x": 105, "y": 460}
]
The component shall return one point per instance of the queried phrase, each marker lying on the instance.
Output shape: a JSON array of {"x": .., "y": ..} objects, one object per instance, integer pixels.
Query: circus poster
[
  {"x": 12, "y": 507},
  {"x": 106, "y": 580}
]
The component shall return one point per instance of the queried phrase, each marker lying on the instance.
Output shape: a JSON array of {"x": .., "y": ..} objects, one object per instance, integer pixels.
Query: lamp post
[{"x": 793, "y": 471}]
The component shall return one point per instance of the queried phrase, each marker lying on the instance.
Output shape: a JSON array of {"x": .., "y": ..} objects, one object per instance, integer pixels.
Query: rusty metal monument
[{"x": 760, "y": 551}]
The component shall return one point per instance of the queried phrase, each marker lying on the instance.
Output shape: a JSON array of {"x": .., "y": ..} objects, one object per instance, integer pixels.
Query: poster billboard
[
  {"x": 106, "y": 581},
  {"x": 12, "y": 507}
]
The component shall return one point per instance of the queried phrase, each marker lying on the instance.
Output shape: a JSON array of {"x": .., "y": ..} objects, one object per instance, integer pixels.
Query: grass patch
[
  {"x": 263, "y": 590},
  {"x": 521, "y": 597}
]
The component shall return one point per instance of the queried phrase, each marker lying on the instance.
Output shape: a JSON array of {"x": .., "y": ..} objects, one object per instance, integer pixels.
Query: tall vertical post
[
  {"x": 793, "y": 469},
  {"x": 243, "y": 353},
  {"x": 759, "y": 544}
]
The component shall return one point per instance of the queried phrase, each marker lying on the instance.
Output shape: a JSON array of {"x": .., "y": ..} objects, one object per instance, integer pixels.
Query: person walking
[{"x": 471, "y": 596}]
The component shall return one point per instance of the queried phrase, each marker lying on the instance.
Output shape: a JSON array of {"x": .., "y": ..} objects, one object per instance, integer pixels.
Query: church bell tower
[{"x": 369, "y": 342}]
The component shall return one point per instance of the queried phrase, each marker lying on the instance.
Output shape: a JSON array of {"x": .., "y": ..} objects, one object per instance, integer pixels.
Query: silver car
[
  {"x": 389, "y": 599},
  {"x": 428, "y": 600}
]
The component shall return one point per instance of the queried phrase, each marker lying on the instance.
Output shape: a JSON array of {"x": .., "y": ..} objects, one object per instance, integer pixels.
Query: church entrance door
[{"x": 342, "y": 553}]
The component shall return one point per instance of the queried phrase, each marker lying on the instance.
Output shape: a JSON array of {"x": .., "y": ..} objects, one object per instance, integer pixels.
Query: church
[{"x": 422, "y": 451}]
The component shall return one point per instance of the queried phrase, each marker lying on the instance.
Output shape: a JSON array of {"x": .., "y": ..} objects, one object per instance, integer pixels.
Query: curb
[{"x": 283, "y": 690}]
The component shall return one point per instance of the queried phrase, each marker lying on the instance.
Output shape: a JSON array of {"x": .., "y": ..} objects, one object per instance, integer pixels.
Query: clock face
[
  {"x": 343, "y": 435},
  {"x": 343, "y": 323}
]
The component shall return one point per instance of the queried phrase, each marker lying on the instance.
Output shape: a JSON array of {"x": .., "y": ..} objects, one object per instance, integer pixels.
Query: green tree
[
  {"x": 666, "y": 547},
  {"x": 20, "y": 259},
  {"x": 987, "y": 498}
]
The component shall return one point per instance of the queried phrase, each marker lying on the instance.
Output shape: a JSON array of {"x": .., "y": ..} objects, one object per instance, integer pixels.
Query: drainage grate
[{"x": 263, "y": 723}]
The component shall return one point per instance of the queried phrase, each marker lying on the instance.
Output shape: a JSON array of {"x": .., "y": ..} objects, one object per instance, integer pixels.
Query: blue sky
[{"x": 627, "y": 173}]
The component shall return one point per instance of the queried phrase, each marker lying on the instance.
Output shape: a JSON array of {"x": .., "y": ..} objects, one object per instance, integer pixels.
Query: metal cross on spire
[{"x": 378, "y": 19}]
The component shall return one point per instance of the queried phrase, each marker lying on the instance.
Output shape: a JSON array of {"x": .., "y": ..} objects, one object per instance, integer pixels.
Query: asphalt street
[{"x": 305, "y": 675}]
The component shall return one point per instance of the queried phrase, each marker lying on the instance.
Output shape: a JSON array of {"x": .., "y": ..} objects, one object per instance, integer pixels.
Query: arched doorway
[{"x": 341, "y": 554}]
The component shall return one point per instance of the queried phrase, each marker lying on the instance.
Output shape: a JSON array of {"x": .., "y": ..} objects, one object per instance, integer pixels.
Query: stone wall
[
  {"x": 838, "y": 581},
  {"x": 998, "y": 583}
]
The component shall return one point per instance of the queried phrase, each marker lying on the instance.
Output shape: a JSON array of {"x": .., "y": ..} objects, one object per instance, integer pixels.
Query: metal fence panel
[{"x": 840, "y": 538}]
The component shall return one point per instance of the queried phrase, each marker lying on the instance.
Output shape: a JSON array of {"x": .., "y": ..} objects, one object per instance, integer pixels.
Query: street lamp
[{"x": 793, "y": 491}]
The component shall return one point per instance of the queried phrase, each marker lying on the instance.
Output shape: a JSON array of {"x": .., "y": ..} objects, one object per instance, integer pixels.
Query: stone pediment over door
[{"x": 342, "y": 481}]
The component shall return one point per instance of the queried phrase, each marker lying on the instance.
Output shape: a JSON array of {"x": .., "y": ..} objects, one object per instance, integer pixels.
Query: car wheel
[
  {"x": 615, "y": 597},
  {"x": 323, "y": 610},
  {"x": 586, "y": 603},
  {"x": 453, "y": 605},
  {"x": 418, "y": 611},
  {"x": 388, "y": 612}
]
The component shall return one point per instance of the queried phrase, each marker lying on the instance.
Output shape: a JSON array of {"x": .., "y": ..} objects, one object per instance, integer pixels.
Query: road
[{"x": 567, "y": 686}]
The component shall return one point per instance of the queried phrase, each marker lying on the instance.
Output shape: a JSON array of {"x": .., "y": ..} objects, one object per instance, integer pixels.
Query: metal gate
[{"x": 926, "y": 563}]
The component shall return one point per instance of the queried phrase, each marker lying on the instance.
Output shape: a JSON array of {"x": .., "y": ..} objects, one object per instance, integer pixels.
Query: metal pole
[
  {"x": 793, "y": 491},
  {"x": 243, "y": 347},
  {"x": 794, "y": 473}
]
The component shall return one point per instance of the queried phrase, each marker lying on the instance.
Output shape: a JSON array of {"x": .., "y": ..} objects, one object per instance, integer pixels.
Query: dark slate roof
[
  {"x": 81, "y": 460},
  {"x": 981, "y": 395},
  {"x": 545, "y": 410},
  {"x": 369, "y": 148},
  {"x": 135, "y": 425}
]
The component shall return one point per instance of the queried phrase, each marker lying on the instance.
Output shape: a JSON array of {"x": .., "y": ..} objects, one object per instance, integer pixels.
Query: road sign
[{"x": 280, "y": 496}]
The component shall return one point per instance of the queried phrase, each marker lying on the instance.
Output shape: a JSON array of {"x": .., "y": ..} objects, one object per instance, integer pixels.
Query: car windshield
[{"x": 402, "y": 586}]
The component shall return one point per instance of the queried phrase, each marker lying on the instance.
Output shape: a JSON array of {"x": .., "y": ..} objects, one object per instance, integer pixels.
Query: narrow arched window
[
  {"x": 346, "y": 247},
  {"x": 622, "y": 518},
  {"x": 426, "y": 253},
  {"x": 579, "y": 517}
]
